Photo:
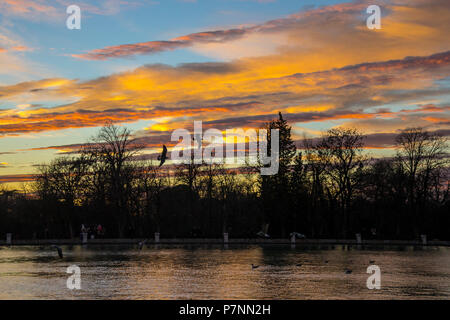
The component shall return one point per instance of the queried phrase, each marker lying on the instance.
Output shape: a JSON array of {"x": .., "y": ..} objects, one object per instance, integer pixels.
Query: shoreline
[{"x": 220, "y": 241}]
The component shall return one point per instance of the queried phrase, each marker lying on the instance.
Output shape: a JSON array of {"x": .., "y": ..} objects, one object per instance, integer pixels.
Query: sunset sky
[{"x": 154, "y": 66}]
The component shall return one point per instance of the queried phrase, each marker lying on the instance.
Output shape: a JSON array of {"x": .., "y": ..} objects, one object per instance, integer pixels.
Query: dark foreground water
[{"x": 214, "y": 272}]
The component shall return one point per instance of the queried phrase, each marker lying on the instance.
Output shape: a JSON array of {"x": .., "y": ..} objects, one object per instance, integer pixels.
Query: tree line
[{"x": 326, "y": 188}]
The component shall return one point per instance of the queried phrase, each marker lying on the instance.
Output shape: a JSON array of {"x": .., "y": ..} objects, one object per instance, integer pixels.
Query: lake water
[{"x": 214, "y": 272}]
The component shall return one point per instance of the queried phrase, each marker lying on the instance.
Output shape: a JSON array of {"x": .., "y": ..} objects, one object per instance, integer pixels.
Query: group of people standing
[{"x": 92, "y": 231}]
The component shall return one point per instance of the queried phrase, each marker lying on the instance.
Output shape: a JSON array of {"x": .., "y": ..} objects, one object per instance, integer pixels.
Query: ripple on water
[{"x": 210, "y": 272}]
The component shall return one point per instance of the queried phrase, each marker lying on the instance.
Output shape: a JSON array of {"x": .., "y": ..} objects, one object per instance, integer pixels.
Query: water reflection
[{"x": 215, "y": 272}]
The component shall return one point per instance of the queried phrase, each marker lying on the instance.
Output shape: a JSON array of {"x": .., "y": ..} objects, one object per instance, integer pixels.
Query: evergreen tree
[{"x": 275, "y": 189}]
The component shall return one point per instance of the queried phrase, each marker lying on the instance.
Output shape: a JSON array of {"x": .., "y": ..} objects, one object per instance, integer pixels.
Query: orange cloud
[
  {"x": 223, "y": 93},
  {"x": 438, "y": 120},
  {"x": 21, "y": 48},
  {"x": 429, "y": 108},
  {"x": 17, "y": 178}
]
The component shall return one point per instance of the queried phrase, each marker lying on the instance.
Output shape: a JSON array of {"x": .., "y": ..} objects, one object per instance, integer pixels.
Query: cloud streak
[
  {"x": 214, "y": 36},
  {"x": 150, "y": 47}
]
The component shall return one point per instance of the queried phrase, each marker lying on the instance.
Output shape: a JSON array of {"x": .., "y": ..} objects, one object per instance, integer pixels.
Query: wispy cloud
[
  {"x": 55, "y": 10},
  {"x": 313, "y": 31},
  {"x": 150, "y": 47},
  {"x": 211, "y": 37}
]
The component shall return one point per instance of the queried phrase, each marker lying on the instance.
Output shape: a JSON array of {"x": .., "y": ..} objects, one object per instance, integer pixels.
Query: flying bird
[
  {"x": 163, "y": 156},
  {"x": 262, "y": 234},
  {"x": 60, "y": 253},
  {"x": 198, "y": 138},
  {"x": 297, "y": 235}
]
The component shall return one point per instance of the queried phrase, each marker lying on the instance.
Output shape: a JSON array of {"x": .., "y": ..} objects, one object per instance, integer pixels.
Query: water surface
[{"x": 215, "y": 272}]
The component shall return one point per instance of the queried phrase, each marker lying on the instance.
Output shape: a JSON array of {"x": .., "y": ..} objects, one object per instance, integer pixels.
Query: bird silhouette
[
  {"x": 254, "y": 267},
  {"x": 141, "y": 244},
  {"x": 163, "y": 156},
  {"x": 198, "y": 138},
  {"x": 263, "y": 234},
  {"x": 60, "y": 253}
]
